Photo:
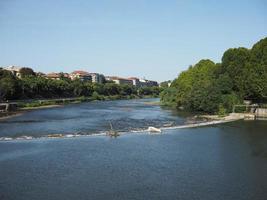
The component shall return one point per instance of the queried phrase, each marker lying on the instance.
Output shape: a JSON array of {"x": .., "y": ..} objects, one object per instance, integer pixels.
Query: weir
[
  {"x": 107, "y": 133},
  {"x": 200, "y": 124}
]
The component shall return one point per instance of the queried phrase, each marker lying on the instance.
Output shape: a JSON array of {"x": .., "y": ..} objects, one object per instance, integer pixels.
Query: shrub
[{"x": 221, "y": 111}]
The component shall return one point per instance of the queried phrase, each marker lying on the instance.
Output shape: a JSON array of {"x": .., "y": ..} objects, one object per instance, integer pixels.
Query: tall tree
[{"x": 25, "y": 71}]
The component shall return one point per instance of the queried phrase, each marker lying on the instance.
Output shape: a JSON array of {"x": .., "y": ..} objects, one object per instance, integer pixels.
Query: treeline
[
  {"x": 215, "y": 87},
  {"x": 31, "y": 86}
]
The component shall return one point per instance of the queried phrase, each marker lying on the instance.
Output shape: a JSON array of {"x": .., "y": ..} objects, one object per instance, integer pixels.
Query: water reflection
[{"x": 251, "y": 133}]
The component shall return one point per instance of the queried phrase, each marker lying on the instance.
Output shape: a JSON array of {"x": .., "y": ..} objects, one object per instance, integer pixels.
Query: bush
[
  {"x": 240, "y": 109},
  {"x": 221, "y": 111},
  {"x": 96, "y": 96}
]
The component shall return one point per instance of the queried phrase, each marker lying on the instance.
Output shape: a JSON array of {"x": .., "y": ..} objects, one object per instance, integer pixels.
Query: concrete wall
[{"x": 261, "y": 112}]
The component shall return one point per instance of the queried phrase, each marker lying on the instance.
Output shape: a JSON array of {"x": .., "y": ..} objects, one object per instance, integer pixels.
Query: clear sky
[{"x": 156, "y": 39}]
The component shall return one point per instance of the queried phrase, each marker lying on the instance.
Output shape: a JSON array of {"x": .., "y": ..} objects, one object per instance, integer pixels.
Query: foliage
[
  {"x": 37, "y": 87},
  {"x": 96, "y": 96},
  {"x": 25, "y": 71},
  {"x": 153, "y": 91},
  {"x": 168, "y": 97},
  {"x": 165, "y": 84},
  {"x": 221, "y": 111},
  {"x": 209, "y": 87},
  {"x": 8, "y": 85}
]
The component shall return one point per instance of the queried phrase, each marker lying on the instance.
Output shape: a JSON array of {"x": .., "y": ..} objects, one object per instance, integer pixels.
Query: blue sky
[{"x": 156, "y": 39}]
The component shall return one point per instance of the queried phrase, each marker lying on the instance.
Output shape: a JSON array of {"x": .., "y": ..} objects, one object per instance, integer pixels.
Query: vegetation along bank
[
  {"x": 216, "y": 87},
  {"x": 32, "y": 86}
]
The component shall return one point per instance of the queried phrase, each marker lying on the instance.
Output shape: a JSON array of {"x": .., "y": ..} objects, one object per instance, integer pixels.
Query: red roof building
[{"x": 81, "y": 75}]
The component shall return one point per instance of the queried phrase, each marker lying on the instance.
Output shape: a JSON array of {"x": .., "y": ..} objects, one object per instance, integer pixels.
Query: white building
[
  {"x": 97, "y": 78},
  {"x": 132, "y": 81},
  {"x": 15, "y": 70},
  {"x": 136, "y": 81},
  {"x": 149, "y": 83},
  {"x": 119, "y": 80}
]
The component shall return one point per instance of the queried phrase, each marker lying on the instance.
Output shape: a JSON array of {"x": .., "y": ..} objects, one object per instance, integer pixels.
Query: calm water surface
[{"x": 226, "y": 161}]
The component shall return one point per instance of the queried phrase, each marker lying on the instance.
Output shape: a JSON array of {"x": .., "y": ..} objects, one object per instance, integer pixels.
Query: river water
[
  {"x": 90, "y": 118},
  {"x": 224, "y": 161}
]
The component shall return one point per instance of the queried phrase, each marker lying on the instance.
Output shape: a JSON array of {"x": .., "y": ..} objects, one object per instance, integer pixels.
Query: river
[
  {"x": 223, "y": 161},
  {"x": 90, "y": 118}
]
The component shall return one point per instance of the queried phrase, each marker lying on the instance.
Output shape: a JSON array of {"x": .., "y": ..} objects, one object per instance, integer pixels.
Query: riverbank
[
  {"x": 8, "y": 115},
  {"x": 40, "y": 107},
  {"x": 153, "y": 103},
  {"x": 231, "y": 116}
]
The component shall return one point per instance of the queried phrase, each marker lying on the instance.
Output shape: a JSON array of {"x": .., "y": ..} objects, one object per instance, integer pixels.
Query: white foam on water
[
  {"x": 5, "y": 138},
  {"x": 81, "y": 134},
  {"x": 24, "y": 137}
]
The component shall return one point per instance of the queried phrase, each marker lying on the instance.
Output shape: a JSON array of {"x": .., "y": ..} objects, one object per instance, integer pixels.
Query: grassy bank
[{"x": 35, "y": 104}]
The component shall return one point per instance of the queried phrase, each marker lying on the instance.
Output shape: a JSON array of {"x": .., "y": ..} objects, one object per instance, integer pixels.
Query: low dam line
[
  {"x": 200, "y": 124},
  {"x": 104, "y": 133}
]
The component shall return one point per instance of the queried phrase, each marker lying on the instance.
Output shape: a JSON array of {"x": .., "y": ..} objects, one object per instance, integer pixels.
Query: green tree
[
  {"x": 206, "y": 85},
  {"x": 169, "y": 96},
  {"x": 25, "y": 71},
  {"x": 9, "y": 87}
]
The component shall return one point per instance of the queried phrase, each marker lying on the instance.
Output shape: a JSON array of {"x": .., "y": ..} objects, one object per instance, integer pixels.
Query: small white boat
[{"x": 154, "y": 129}]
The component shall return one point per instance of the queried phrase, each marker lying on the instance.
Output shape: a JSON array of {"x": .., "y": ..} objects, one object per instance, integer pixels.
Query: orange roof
[
  {"x": 80, "y": 72},
  {"x": 56, "y": 75},
  {"x": 52, "y": 75}
]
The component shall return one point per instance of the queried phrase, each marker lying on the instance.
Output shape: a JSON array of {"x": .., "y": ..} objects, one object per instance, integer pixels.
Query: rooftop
[
  {"x": 80, "y": 72},
  {"x": 12, "y": 68},
  {"x": 133, "y": 78},
  {"x": 56, "y": 75}
]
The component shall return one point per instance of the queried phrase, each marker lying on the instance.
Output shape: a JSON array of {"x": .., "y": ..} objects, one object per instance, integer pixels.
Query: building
[
  {"x": 81, "y": 75},
  {"x": 119, "y": 80},
  {"x": 19, "y": 71},
  {"x": 132, "y": 81},
  {"x": 15, "y": 70},
  {"x": 97, "y": 78},
  {"x": 136, "y": 81},
  {"x": 57, "y": 76},
  {"x": 148, "y": 83},
  {"x": 40, "y": 74},
  {"x": 54, "y": 76}
]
